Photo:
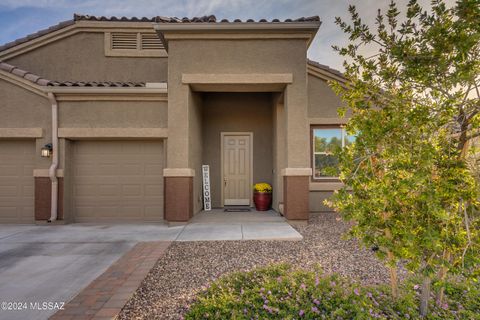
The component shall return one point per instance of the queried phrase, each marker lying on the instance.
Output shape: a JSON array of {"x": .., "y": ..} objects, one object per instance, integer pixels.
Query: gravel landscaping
[{"x": 188, "y": 266}]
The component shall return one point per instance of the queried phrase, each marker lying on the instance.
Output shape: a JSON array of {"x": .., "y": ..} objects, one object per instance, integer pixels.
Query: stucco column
[
  {"x": 178, "y": 175},
  {"x": 297, "y": 171},
  {"x": 178, "y": 194},
  {"x": 178, "y": 126}
]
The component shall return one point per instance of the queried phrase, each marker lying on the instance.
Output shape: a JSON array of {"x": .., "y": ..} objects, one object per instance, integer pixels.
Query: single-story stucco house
[{"x": 133, "y": 107}]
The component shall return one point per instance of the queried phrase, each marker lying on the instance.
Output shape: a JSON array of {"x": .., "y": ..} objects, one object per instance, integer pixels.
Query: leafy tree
[{"x": 415, "y": 108}]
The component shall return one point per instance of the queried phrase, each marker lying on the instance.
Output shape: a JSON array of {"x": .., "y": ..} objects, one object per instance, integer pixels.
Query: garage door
[
  {"x": 16, "y": 181},
  {"x": 118, "y": 181}
]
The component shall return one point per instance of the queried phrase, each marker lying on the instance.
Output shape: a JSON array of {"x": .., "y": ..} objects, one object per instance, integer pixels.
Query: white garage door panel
[
  {"x": 117, "y": 181},
  {"x": 16, "y": 181}
]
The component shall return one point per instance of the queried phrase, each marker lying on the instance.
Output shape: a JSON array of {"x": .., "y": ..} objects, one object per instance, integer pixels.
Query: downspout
[{"x": 52, "y": 172}]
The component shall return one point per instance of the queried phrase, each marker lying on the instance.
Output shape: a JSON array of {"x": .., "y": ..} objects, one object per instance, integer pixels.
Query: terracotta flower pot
[{"x": 262, "y": 200}]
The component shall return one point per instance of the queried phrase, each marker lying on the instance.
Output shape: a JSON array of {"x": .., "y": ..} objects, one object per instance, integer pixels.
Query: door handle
[{"x": 225, "y": 182}]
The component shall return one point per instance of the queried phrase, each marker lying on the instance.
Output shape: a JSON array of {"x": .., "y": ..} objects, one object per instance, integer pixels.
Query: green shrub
[{"x": 281, "y": 292}]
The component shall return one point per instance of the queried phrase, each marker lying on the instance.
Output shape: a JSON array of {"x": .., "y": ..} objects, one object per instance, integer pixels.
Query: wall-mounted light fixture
[{"x": 47, "y": 150}]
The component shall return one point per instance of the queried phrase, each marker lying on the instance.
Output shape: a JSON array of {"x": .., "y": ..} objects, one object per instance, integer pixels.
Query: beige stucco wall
[
  {"x": 195, "y": 105},
  {"x": 322, "y": 101},
  {"x": 102, "y": 114},
  {"x": 113, "y": 114},
  {"x": 237, "y": 112},
  {"x": 239, "y": 57},
  {"x": 20, "y": 108},
  {"x": 66, "y": 162},
  {"x": 81, "y": 57},
  {"x": 233, "y": 56},
  {"x": 279, "y": 138},
  {"x": 323, "y": 104},
  {"x": 316, "y": 199}
]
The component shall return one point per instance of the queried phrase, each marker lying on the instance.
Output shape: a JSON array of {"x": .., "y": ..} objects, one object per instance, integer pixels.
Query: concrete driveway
[{"x": 53, "y": 263}]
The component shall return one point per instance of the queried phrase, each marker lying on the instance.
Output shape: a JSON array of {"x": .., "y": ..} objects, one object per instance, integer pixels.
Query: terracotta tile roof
[
  {"x": 158, "y": 19},
  {"x": 86, "y": 17},
  {"x": 95, "y": 84},
  {"x": 326, "y": 68},
  {"x": 37, "y": 34},
  {"x": 24, "y": 74},
  {"x": 204, "y": 19},
  {"x": 44, "y": 82},
  {"x": 213, "y": 19}
]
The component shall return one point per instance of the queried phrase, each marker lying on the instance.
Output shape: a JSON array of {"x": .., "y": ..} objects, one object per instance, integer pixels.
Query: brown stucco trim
[
  {"x": 296, "y": 197},
  {"x": 115, "y": 133},
  {"x": 178, "y": 199},
  {"x": 43, "y": 192},
  {"x": 20, "y": 133}
]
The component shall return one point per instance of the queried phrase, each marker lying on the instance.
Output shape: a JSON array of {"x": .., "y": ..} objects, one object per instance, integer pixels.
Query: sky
[{"x": 19, "y": 18}]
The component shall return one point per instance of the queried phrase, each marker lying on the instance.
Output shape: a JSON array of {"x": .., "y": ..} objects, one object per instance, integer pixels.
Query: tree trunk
[
  {"x": 441, "y": 276},
  {"x": 393, "y": 269},
  {"x": 425, "y": 296},
  {"x": 393, "y": 276}
]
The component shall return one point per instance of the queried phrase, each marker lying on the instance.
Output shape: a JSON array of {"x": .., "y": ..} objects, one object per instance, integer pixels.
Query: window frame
[{"x": 313, "y": 178}]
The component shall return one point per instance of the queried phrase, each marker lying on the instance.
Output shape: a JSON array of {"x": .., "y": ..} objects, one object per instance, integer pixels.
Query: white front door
[{"x": 237, "y": 168}]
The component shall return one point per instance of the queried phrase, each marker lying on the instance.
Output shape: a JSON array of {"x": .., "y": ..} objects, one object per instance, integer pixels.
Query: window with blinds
[{"x": 133, "y": 44}]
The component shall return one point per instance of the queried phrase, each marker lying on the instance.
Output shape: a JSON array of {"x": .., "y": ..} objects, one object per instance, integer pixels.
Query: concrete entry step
[
  {"x": 220, "y": 216},
  {"x": 217, "y": 225},
  {"x": 237, "y": 209}
]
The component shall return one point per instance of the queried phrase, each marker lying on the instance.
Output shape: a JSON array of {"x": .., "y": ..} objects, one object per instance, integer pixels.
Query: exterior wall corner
[
  {"x": 296, "y": 197},
  {"x": 178, "y": 198}
]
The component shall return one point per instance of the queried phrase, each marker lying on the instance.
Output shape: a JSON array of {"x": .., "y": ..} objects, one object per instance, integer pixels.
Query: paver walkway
[
  {"x": 106, "y": 295},
  {"x": 66, "y": 258}
]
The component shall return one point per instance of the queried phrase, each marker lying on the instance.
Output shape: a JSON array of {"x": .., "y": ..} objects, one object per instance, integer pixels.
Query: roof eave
[
  {"x": 240, "y": 26},
  {"x": 327, "y": 73},
  {"x": 106, "y": 90},
  {"x": 309, "y": 28}
]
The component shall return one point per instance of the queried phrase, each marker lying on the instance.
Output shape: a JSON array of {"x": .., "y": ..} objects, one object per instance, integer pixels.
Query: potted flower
[{"x": 262, "y": 196}]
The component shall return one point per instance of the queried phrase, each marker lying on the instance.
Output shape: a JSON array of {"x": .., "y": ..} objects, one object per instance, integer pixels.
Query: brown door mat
[{"x": 237, "y": 209}]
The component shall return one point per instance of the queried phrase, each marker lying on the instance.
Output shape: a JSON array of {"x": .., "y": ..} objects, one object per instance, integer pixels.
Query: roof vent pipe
[{"x": 52, "y": 172}]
